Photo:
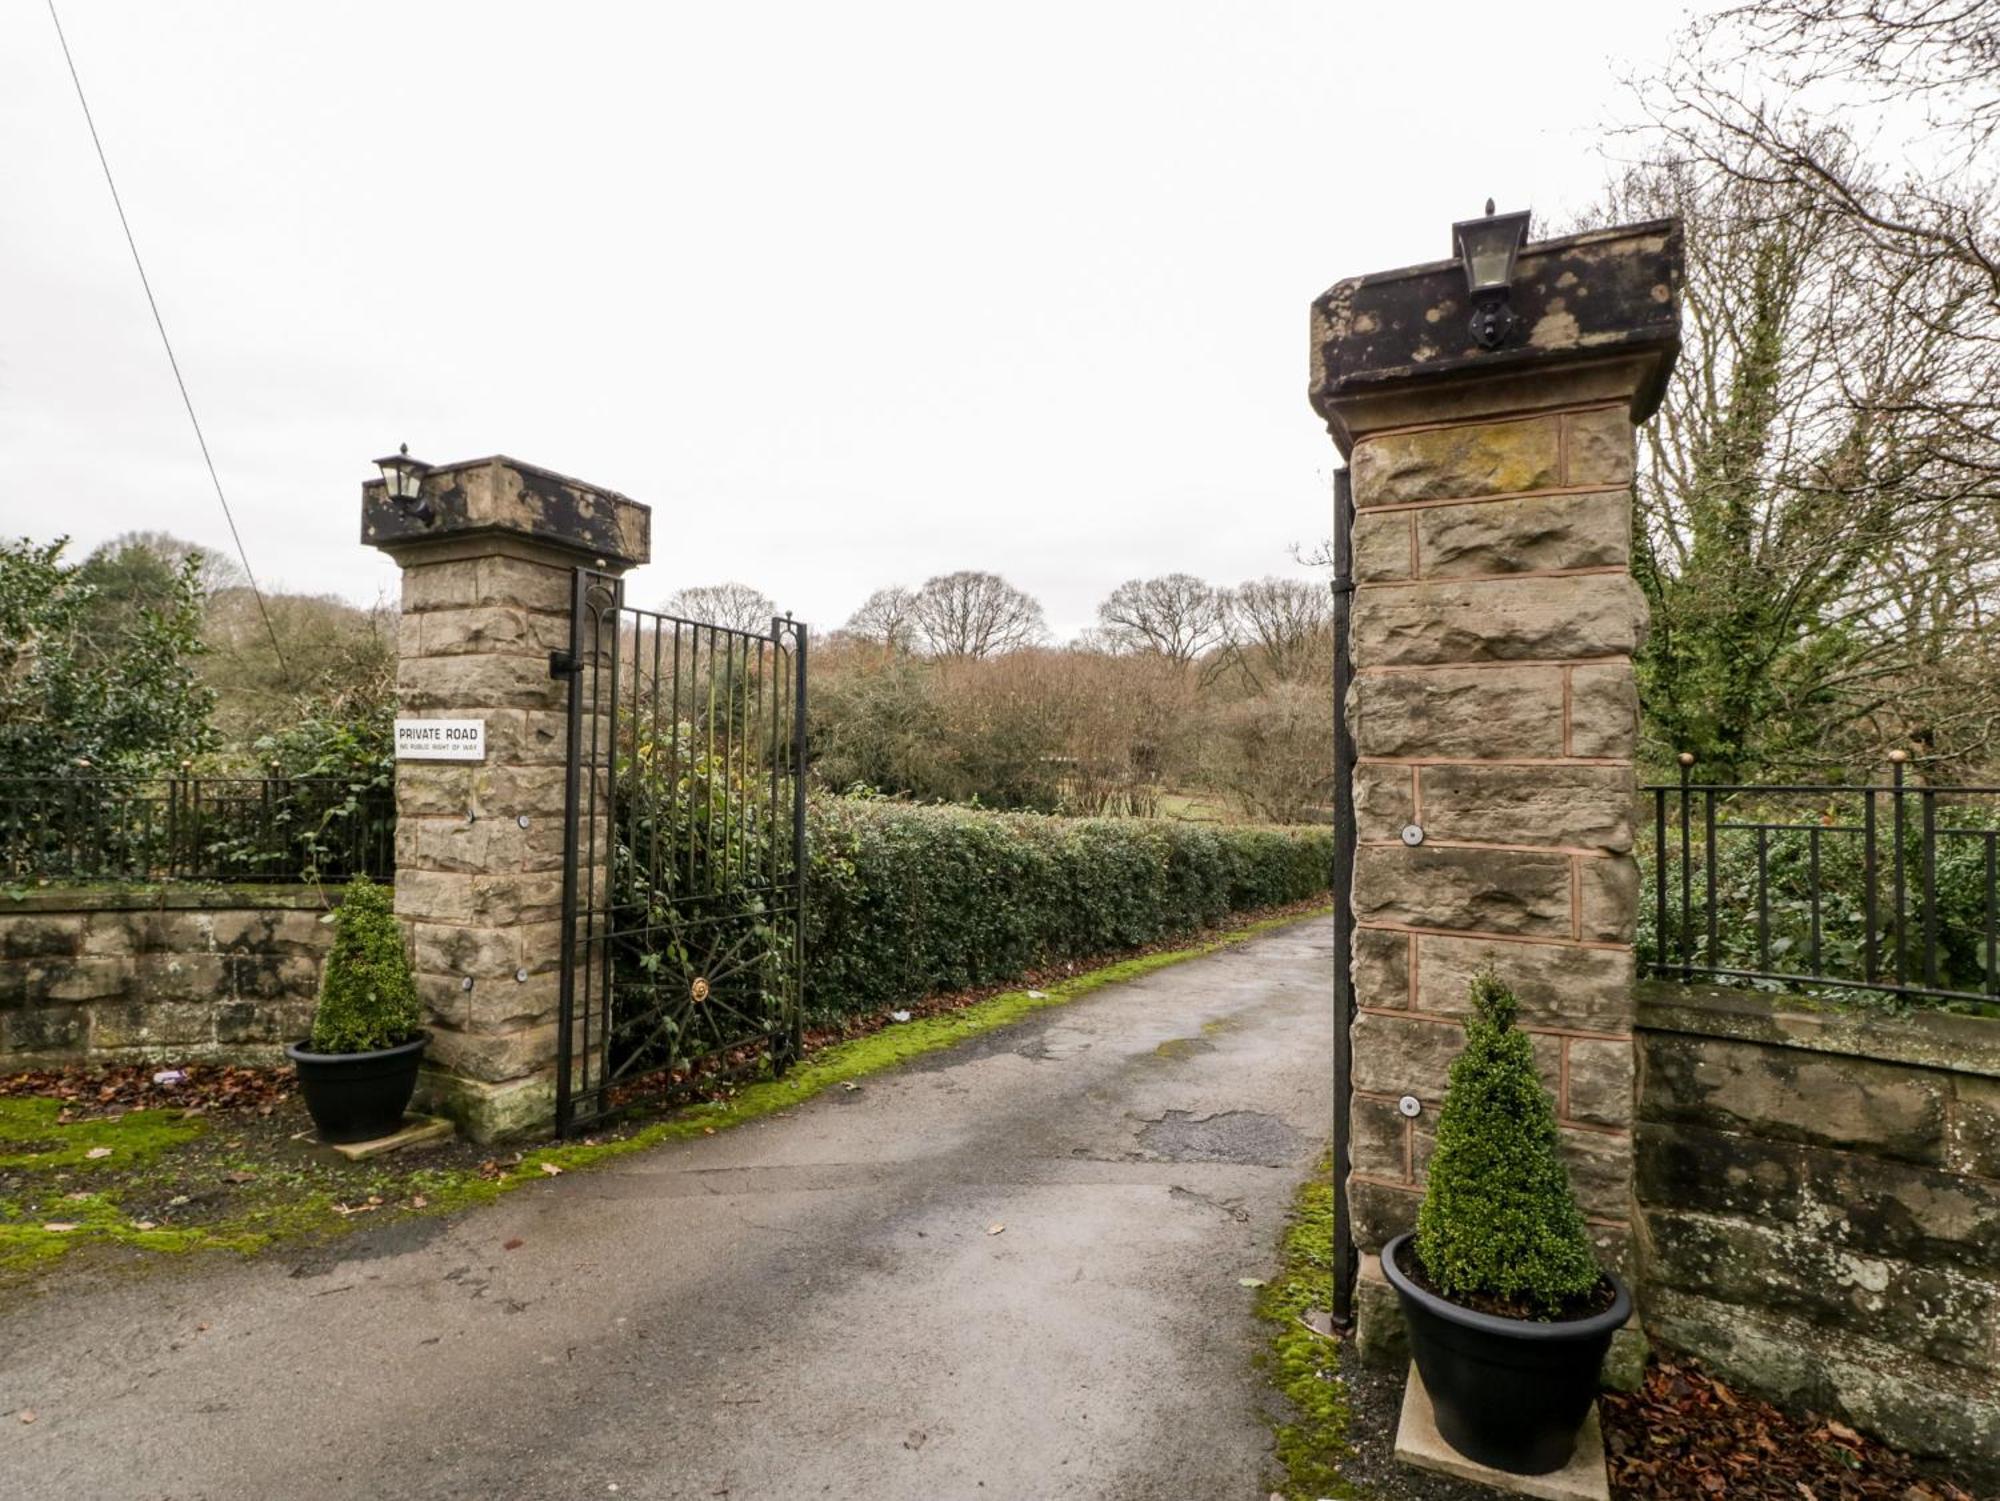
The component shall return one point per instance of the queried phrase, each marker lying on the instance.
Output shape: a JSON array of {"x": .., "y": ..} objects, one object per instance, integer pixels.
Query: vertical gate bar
[
  {"x": 1992, "y": 913},
  {"x": 1812, "y": 885},
  {"x": 1871, "y": 954},
  {"x": 608, "y": 976},
  {"x": 1708, "y": 857},
  {"x": 799, "y": 842},
  {"x": 778, "y": 665},
  {"x": 1659, "y": 880},
  {"x": 1929, "y": 796},
  {"x": 566, "y": 980},
  {"x": 1764, "y": 898},
  {"x": 1897, "y": 833},
  {"x": 1687, "y": 879},
  {"x": 728, "y": 748},
  {"x": 1345, "y": 1262},
  {"x": 654, "y": 768}
]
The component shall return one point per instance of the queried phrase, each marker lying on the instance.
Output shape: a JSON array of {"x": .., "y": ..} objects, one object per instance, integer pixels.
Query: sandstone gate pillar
[
  {"x": 1493, "y": 709},
  {"x": 487, "y": 557}
]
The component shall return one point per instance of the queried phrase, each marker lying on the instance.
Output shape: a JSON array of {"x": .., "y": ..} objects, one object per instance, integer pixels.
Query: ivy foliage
[
  {"x": 367, "y": 997},
  {"x": 1498, "y": 1219}
]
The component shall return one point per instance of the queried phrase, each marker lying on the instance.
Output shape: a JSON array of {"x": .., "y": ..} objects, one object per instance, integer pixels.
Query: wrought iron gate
[{"x": 684, "y": 849}]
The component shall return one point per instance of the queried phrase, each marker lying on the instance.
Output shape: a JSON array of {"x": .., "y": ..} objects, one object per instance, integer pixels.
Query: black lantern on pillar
[
  {"x": 403, "y": 478},
  {"x": 1487, "y": 249}
]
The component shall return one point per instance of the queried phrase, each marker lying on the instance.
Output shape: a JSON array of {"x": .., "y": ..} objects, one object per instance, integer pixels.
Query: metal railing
[
  {"x": 1890, "y": 888},
  {"x": 191, "y": 828}
]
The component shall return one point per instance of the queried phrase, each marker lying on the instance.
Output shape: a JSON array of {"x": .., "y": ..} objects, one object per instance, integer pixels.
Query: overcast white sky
[{"x": 850, "y": 294}]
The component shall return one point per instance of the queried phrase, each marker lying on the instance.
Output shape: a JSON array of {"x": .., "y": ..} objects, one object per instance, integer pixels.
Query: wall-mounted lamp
[
  {"x": 403, "y": 477},
  {"x": 1487, "y": 249}
]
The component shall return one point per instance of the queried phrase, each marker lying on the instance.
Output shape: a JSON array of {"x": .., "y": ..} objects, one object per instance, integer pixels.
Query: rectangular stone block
[
  {"x": 1603, "y": 711},
  {"x": 83, "y": 979},
  {"x": 491, "y": 900},
  {"x": 1378, "y": 1139},
  {"x": 1497, "y": 620},
  {"x": 475, "y": 952},
  {"x": 177, "y": 977},
  {"x": 490, "y": 845},
  {"x": 439, "y": 586},
  {"x": 1380, "y": 1212},
  {"x": 1695, "y": 1169},
  {"x": 1384, "y": 801},
  {"x": 535, "y": 737},
  {"x": 1558, "y": 985},
  {"x": 1382, "y": 545},
  {"x": 493, "y": 1057},
  {"x": 473, "y": 684},
  {"x": 1481, "y": 712},
  {"x": 41, "y": 937},
  {"x": 524, "y": 584},
  {"x": 1608, "y": 898},
  {"x": 1381, "y": 967},
  {"x": 1785, "y": 1094},
  {"x": 1458, "y": 462},
  {"x": 271, "y": 976},
  {"x": 44, "y": 1030},
  {"x": 152, "y": 1024},
  {"x": 1534, "y": 534},
  {"x": 1468, "y": 890},
  {"x": 1587, "y": 807},
  {"x": 1601, "y": 447},
  {"x": 1399, "y": 1055},
  {"x": 492, "y": 1005},
  {"x": 488, "y": 628},
  {"x": 1799, "y": 1271},
  {"x": 111, "y": 934},
  {"x": 1974, "y": 1144},
  {"x": 1600, "y": 1082}
]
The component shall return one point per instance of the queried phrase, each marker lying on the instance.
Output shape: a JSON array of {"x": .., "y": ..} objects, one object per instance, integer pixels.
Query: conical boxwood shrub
[
  {"x": 367, "y": 999},
  {"x": 1498, "y": 1220}
]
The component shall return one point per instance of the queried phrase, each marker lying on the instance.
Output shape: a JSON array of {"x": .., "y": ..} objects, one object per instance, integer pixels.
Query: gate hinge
[{"x": 563, "y": 664}]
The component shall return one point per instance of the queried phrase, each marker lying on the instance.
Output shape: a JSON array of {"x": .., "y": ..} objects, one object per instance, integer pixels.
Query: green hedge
[{"x": 905, "y": 901}]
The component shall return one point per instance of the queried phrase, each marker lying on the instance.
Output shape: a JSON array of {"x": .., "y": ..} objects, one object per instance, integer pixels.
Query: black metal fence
[
  {"x": 189, "y": 828},
  {"x": 1889, "y": 889}
]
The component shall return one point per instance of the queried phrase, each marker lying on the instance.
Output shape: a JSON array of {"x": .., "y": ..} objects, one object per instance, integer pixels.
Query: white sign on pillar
[{"x": 440, "y": 740}]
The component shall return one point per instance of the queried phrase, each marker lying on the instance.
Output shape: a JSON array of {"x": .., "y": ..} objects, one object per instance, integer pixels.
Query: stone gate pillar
[
  {"x": 487, "y": 554},
  {"x": 1493, "y": 708}
]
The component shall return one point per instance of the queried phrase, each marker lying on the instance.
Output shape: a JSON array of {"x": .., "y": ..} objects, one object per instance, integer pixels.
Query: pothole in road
[{"x": 1244, "y": 1136}]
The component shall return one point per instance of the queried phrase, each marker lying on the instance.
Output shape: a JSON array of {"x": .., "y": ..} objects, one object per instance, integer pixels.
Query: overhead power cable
[{"x": 160, "y": 323}]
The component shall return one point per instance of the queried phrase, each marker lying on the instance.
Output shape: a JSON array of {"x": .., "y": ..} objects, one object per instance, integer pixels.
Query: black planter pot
[
  {"x": 1509, "y": 1393},
  {"x": 358, "y": 1096}
]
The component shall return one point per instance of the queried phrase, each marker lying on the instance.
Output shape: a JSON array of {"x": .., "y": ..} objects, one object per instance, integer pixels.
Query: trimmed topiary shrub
[
  {"x": 367, "y": 999},
  {"x": 1498, "y": 1221}
]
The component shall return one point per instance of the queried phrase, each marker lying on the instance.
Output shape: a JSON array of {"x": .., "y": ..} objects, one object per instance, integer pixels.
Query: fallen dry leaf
[
  {"x": 995, "y": 1228},
  {"x": 60, "y": 1227},
  {"x": 512, "y": 1245},
  {"x": 96, "y": 1152},
  {"x": 551, "y": 1169},
  {"x": 27, "y": 1415}
]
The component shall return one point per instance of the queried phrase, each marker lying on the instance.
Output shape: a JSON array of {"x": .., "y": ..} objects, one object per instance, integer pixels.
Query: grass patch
[
  {"x": 1303, "y": 1363},
  {"x": 172, "y": 1182}
]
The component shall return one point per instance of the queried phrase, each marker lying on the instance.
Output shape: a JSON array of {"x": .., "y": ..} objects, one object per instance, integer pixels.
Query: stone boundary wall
[
  {"x": 178, "y": 974},
  {"x": 1819, "y": 1192}
]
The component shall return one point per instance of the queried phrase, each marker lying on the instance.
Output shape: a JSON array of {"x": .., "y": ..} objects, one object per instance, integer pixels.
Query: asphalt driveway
[{"x": 1007, "y": 1270}]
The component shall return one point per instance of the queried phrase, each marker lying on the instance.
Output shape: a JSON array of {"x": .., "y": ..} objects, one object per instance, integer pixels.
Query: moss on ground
[
  {"x": 175, "y": 1183},
  {"x": 1303, "y": 1363}
]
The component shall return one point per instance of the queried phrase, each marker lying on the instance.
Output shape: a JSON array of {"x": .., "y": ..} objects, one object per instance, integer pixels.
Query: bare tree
[
  {"x": 1177, "y": 615},
  {"x": 888, "y": 618},
  {"x": 1759, "y": 91},
  {"x": 1819, "y": 522},
  {"x": 213, "y": 571},
  {"x": 1285, "y": 629},
  {"x": 973, "y": 614},
  {"x": 735, "y": 606}
]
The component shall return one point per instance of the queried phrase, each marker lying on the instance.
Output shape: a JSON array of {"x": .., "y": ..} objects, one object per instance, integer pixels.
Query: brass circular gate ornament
[{"x": 699, "y": 990}]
